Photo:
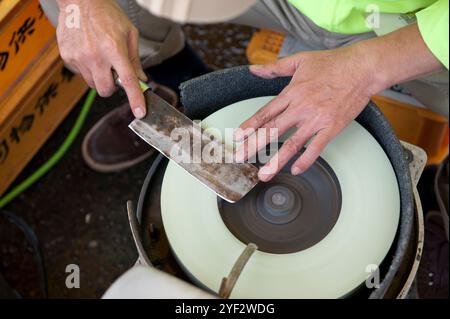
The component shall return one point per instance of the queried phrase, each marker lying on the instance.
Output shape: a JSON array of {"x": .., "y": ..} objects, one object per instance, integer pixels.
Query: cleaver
[{"x": 184, "y": 142}]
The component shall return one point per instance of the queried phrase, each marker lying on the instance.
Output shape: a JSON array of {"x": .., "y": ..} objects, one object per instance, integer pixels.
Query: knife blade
[{"x": 162, "y": 128}]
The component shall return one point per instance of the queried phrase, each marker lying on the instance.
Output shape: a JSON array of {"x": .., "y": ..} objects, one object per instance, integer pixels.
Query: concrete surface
[{"x": 79, "y": 215}]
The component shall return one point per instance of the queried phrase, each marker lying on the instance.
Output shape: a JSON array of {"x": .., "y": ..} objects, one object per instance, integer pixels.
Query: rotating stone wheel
[{"x": 317, "y": 233}]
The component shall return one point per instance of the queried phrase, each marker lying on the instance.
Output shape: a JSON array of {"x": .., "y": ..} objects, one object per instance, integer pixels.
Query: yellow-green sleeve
[{"x": 433, "y": 26}]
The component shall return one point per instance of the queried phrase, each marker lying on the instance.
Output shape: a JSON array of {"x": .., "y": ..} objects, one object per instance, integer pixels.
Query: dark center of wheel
[
  {"x": 277, "y": 204},
  {"x": 289, "y": 213}
]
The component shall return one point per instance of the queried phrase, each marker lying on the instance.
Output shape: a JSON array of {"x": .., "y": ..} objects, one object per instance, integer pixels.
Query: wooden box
[
  {"x": 33, "y": 110},
  {"x": 25, "y": 34}
]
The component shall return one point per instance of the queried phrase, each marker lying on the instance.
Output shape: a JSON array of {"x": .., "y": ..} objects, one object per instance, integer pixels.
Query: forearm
[
  {"x": 64, "y": 3},
  {"x": 82, "y": 4},
  {"x": 397, "y": 57}
]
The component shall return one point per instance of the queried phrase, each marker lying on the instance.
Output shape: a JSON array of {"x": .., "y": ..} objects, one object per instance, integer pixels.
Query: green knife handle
[{"x": 142, "y": 84}]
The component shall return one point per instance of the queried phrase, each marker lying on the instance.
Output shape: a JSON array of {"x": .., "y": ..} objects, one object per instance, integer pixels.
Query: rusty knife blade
[{"x": 229, "y": 180}]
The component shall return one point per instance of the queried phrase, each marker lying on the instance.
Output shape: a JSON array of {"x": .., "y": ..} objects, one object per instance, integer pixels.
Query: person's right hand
[{"x": 106, "y": 40}]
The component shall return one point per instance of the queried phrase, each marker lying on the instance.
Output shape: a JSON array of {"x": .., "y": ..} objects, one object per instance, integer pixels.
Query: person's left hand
[{"x": 328, "y": 90}]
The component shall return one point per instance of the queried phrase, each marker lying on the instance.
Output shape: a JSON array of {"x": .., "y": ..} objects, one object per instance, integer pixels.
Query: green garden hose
[{"x": 56, "y": 157}]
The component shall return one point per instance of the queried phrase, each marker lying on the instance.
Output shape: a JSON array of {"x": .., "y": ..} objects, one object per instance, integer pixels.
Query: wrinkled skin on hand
[
  {"x": 105, "y": 41},
  {"x": 328, "y": 90}
]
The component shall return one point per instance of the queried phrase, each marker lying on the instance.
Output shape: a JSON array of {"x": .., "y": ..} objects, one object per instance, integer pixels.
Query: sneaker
[{"x": 110, "y": 146}]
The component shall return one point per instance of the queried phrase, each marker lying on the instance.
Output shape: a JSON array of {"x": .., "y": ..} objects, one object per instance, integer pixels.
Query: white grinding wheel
[{"x": 333, "y": 267}]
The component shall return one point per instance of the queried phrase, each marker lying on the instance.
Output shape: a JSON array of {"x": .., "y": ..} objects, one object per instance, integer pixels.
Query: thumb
[{"x": 283, "y": 67}]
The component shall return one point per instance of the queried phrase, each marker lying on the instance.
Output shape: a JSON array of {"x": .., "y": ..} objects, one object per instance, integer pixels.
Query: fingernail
[
  {"x": 296, "y": 171},
  {"x": 138, "y": 113},
  {"x": 266, "y": 173},
  {"x": 264, "y": 177}
]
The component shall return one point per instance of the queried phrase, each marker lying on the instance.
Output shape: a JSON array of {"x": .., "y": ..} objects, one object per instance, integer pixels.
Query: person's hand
[
  {"x": 328, "y": 90},
  {"x": 105, "y": 41}
]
